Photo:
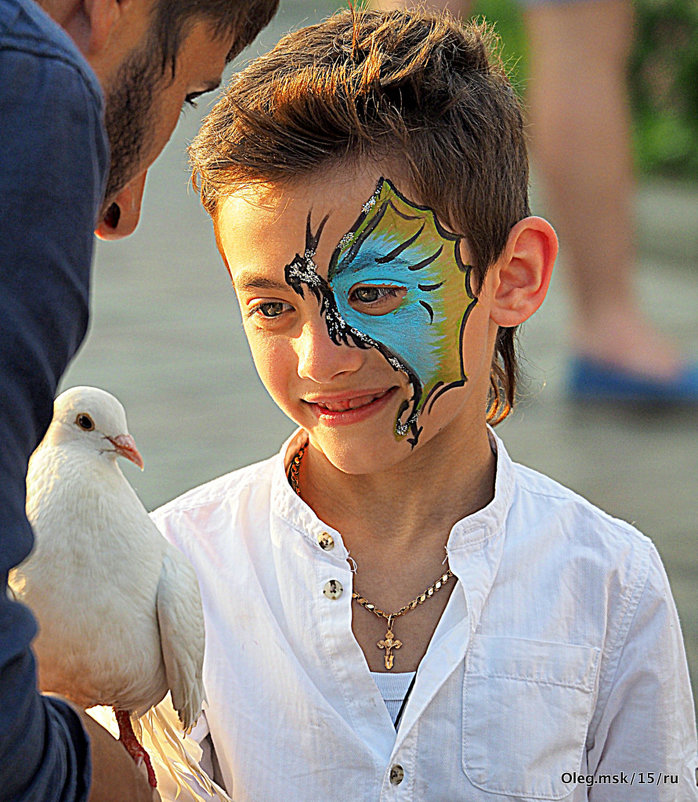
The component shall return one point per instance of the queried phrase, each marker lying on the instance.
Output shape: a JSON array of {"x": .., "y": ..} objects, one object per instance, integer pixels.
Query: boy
[{"x": 367, "y": 180}]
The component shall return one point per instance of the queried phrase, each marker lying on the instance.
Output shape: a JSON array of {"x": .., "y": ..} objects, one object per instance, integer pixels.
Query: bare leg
[
  {"x": 580, "y": 130},
  {"x": 128, "y": 738}
]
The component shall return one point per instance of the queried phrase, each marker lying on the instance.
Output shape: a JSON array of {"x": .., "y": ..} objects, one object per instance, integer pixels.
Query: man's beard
[{"x": 129, "y": 117}]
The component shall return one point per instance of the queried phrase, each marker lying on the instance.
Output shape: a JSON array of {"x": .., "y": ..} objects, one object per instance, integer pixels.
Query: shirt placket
[{"x": 332, "y": 602}]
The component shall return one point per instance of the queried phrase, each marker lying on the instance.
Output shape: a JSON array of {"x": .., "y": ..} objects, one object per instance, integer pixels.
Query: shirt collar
[
  {"x": 470, "y": 535},
  {"x": 488, "y": 521},
  {"x": 286, "y": 504},
  {"x": 476, "y": 543}
]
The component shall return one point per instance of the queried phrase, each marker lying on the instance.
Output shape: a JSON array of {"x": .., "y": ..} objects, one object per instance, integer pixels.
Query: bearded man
[{"x": 90, "y": 91}]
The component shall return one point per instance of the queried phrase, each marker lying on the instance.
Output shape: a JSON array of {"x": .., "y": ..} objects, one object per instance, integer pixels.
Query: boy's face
[{"x": 358, "y": 307}]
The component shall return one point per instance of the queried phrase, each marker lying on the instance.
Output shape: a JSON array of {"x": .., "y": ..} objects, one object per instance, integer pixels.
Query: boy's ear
[{"x": 522, "y": 273}]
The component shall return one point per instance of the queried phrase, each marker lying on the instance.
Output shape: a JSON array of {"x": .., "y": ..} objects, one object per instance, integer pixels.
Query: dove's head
[{"x": 93, "y": 419}]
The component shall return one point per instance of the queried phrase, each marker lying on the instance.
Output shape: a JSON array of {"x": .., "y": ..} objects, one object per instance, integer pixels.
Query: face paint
[{"x": 397, "y": 244}]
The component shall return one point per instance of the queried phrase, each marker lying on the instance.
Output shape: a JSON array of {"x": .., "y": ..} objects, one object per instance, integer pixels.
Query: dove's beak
[{"x": 125, "y": 446}]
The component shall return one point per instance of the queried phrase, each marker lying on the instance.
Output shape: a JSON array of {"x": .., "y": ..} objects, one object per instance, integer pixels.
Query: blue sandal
[{"x": 590, "y": 380}]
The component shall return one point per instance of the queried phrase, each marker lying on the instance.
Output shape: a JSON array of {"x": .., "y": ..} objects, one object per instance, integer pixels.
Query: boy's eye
[
  {"x": 368, "y": 295},
  {"x": 374, "y": 299},
  {"x": 270, "y": 309}
]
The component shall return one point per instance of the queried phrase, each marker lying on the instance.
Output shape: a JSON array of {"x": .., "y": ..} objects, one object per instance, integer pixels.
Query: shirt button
[
  {"x": 333, "y": 589},
  {"x": 326, "y": 541},
  {"x": 397, "y": 774}
]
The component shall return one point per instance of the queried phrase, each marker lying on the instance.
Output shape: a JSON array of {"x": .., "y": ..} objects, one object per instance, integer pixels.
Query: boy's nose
[{"x": 319, "y": 359}]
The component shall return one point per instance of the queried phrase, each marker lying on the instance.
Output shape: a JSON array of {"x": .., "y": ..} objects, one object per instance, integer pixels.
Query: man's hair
[
  {"x": 412, "y": 90},
  {"x": 171, "y": 20}
]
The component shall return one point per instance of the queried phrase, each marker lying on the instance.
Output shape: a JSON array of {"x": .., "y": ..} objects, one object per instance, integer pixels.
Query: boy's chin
[{"x": 358, "y": 456}]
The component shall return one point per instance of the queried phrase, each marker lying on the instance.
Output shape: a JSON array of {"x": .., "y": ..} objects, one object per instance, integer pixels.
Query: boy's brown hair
[{"x": 412, "y": 90}]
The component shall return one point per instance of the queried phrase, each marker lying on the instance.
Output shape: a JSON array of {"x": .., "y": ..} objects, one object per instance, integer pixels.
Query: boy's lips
[{"x": 349, "y": 407}]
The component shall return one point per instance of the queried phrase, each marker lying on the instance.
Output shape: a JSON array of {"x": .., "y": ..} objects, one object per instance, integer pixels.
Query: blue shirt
[{"x": 53, "y": 163}]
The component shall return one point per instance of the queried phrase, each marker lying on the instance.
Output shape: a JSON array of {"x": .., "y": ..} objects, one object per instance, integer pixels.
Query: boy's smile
[
  {"x": 337, "y": 410},
  {"x": 355, "y": 301}
]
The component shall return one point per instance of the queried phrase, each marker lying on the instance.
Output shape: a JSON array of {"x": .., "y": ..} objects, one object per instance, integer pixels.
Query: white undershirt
[{"x": 393, "y": 688}]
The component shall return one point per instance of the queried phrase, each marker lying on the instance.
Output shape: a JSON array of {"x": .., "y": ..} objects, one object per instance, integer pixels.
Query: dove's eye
[{"x": 84, "y": 421}]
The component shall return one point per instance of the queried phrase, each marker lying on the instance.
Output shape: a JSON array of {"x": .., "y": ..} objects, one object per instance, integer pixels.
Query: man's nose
[
  {"x": 319, "y": 358},
  {"x": 125, "y": 220}
]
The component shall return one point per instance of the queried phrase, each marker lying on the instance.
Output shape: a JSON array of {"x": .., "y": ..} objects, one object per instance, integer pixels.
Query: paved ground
[{"x": 166, "y": 339}]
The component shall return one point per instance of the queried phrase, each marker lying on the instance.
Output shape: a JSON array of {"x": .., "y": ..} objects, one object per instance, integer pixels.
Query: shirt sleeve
[
  {"x": 52, "y": 172},
  {"x": 645, "y": 743}
]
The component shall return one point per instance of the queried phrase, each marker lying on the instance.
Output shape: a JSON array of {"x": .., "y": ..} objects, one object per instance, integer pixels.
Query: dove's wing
[{"x": 181, "y": 622}]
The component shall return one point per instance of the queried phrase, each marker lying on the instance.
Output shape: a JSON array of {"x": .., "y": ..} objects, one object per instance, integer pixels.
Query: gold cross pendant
[{"x": 389, "y": 643}]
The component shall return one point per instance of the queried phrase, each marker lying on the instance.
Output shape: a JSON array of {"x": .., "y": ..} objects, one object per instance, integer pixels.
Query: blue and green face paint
[{"x": 396, "y": 243}]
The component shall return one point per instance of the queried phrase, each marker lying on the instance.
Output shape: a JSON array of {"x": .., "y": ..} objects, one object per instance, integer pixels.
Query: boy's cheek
[
  {"x": 261, "y": 350},
  {"x": 274, "y": 365}
]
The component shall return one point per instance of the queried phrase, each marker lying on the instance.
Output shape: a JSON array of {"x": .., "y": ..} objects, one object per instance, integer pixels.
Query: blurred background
[{"x": 166, "y": 336}]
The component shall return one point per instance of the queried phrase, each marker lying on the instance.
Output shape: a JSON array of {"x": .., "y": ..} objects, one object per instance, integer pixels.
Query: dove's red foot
[{"x": 128, "y": 738}]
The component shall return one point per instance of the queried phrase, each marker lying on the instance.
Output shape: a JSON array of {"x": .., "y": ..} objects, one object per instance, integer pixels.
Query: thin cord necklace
[{"x": 389, "y": 643}]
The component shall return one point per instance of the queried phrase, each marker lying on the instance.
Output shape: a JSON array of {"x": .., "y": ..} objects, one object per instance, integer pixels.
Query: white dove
[{"x": 119, "y": 610}]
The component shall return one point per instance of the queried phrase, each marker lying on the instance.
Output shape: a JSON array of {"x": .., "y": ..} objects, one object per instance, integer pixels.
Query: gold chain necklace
[{"x": 389, "y": 642}]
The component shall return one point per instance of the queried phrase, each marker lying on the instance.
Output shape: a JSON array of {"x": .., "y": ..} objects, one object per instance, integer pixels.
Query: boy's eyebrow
[{"x": 249, "y": 281}]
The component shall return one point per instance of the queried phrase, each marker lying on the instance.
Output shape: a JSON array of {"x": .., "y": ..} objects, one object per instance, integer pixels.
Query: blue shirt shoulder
[
  {"x": 53, "y": 162},
  {"x": 24, "y": 26}
]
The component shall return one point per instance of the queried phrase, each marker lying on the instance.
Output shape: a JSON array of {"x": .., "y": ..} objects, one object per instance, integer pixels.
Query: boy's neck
[{"x": 411, "y": 507}]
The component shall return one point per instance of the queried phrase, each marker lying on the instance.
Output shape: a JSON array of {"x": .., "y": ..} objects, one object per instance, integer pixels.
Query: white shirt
[{"x": 557, "y": 663}]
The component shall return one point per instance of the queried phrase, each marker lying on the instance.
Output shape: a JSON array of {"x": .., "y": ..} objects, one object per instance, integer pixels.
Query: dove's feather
[
  {"x": 181, "y": 634},
  {"x": 180, "y": 756},
  {"x": 176, "y": 757}
]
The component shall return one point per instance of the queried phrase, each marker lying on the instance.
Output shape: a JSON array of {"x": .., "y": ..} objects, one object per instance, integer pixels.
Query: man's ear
[
  {"x": 91, "y": 22},
  {"x": 523, "y": 271}
]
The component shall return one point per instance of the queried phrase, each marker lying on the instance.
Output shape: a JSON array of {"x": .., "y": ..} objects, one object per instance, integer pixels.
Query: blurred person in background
[
  {"x": 579, "y": 120},
  {"x": 80, "y": 80}
]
